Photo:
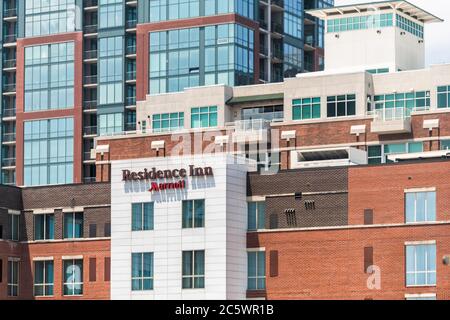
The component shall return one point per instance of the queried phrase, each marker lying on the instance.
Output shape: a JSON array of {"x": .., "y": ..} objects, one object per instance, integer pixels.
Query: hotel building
[{"x": 328, "y": 185}]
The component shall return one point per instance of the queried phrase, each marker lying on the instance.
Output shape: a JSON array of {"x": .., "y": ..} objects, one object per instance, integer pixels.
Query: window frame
[
  {"x": 74, "y": 262},
  {"x": 142, "y": 278},
  {"x": 73, "y": 236},
  {"x": 257, "y": 277},
  {"x": 335, "y": 100},
  {"x": 14, "y": 224},
  {"x": 13, "y": 279},
  {"x": 415, "y": 272},
  {"x": 258, "y": 205},
  {"x": 151, "y": 218},
  {"x": 308, "y": 103},
  {"x": 426, "y": 214},
  {"x": 190, "y": 219},
  {"x": 44, "y": 230},
  {"x": 44, "y": 283},
  {"x": 194, "y": 278}
]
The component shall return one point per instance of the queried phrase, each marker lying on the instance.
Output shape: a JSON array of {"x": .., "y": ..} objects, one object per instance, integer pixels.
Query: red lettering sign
[{"x": 156, "y": 187}]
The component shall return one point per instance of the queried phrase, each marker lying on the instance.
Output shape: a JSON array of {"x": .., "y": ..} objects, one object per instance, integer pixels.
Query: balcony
[
  {"x": 131, "y": 75},
  {"x": 90, "y": 131},
  {"x": 8, "y": 162},
  {"x": 130, "y": 101},
  {"x": 250, "y": 130},
  {"x": 130, "y": 126},
  {"x": 90, "y": 80},
  {"x": 309, "y": 40},
  {"x": 9, "y": 88},
  {"x": 10, "y": 38},
  {"x": 9, "y": 137},
  {"x": 277, "y": 28},
  {"x": 90, "y": 54},
  {"x": 131, "y": 24},
  {"x": 392, "y": 120},
  {"x": 89, "y": 29},
  {"x": 10, "y": 13},
  {"x": 87, "y": 156},
  {"x": 89, "y": 179},
  {"x": 9, "y": 64},
  {"x": 90, "y": 105},
  {"x": 90, "y": 3},
  {"x": 9, "y": 113},
  {"x": 131, "y": 49}
]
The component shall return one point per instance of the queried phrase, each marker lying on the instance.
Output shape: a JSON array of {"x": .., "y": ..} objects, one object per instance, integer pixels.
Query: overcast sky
[{"x": 437, "y": 35}]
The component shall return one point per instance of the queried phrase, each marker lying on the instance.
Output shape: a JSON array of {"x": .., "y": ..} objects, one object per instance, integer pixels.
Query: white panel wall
[{"x": 223, "y": 238}]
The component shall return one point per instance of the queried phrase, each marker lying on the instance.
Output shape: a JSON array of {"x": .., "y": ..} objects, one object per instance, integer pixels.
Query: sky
[{"x": 437, "y": 35}]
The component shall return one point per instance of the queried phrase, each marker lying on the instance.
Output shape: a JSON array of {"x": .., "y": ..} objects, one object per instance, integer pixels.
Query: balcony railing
[
  {"x": 130, "y": 126},
  {"x": 90, "y": 105},
  {"x": 9, "y": 137},
  {"x": 131, "y": 49},
  {"x": 10, "y": 63},
  {"x": 130, "y": 101},
  {"x": 90, "y": 79},
  {"x": 9, "y": 87},
  {"x": 10, "y": 38},
  {"x": 393, "y": 114},
  {"x": 93, "y": 28},
  {"x": 9, "y": 162},
  {"x": 89, "y": 179},
  {"x": 90, "y": 131},
  {"x": 90, "y": 54},
  {"x": 131, "y": 23},
  {"x": 87, "y": 156},
  {"x": 251, "y": 125},
  {"x": 90, "y": 3},
  {"x": 131, "y": 75},
  {"x": 10, "y": 112},
  {"x": 8, "y": 13},
  {"x": 309, "y": 40},
  {"x": 277, "y": 27}
]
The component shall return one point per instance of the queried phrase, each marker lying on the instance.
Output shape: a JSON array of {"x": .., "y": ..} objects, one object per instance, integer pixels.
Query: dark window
[
  {"x": 92, "y": 269},
  {"x": 1, "y": 270},
  {"x": 107, "y": 230},
  {"x": 107, "y": 270},
  {"x": 274, "y": 263},
  {"x": 273, "y": 221},
  {"x": 1, "y": 232},
  {"x": 368, "y": 258},
  {"x": 368, "y": 216},
  {"x": 92, "y": 231}
]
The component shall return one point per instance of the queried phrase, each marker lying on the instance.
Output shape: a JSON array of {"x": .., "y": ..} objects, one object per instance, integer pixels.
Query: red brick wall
[
  {"x": 99, "y": 249},
  {"x": 329, "y": 264},
  {"x": 381, "y": 188}
]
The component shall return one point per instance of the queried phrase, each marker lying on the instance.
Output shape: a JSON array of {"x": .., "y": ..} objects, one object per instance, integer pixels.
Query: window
[
  {"x": 110, "y": 13},
  {"x": 111, "y": 73},
  {"x": 306, "y": 108},
  {"x": 256, "y": 215},
  {"x": 293, "y": 60},
  {"x": 142, "y": 271},
  {"x": 49, "y": 76},
  {"x": 48, "y": 151},
  {"x": 421, "y": 265},
  {"x": 256, "y": 270},
  {"x": 360, "y": 23},
  {"x": 43, "y": 278},
  {"x": 267, "y": 113},
  {"x": 14, "y": 222},
  {"x": 420, "y": 206},
  {"x": 193, "y": 270},
  {"x": 110, "y": 123},
  {"x": 168, "y": 122},
  {"x": 73, "y": 277},
  {"x": 443, "y": 97},
  {"x": 426, "y": 296},
  {"x": 378, "y": 154},
  {"x": 44, "y": 227},
  {"x": 13, "y": 278},
  {"x": 175, "y": 61},
  {"x": 410, "y": 26},
  {"x": 341, "y": 106},
  {"x": 142, "y": 216},
  {"x": 73, "y": 225},
  {"x": 445, "y": 145},
  {"x": 401, "y": 105},
  {"x": 378, "y": 71},
  {"x": 193, "y": 214},
  {"x": 204, "y": 117},
  {"x": 44, "y": 17}
]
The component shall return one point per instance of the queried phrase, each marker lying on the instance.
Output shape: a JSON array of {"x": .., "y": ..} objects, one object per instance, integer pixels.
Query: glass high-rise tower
[{"x": 74, "y": 69}]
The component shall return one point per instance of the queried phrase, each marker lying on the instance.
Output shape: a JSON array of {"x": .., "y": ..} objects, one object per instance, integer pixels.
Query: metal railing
[
  {"x": 90, "y": 54},
  {"x": 130, "y": 101},
  {"x": 90, "y": 3},
  {"x": 90, "y": 179},
  {"x": 10, "y": 63},
  {"x": 131, "y": 23},
  {"x": 87, "y": 156},
  {"x": 90, "y": 105},
  {"x": 90, "y": 130},
  {"x": 9, "y": 162},
  {"x": 9, "y": 87},
  {"x": 93, "y": 28},
  {"x": 90, "y": 79},
  {"x": 131, "y": 49},
  {"x": 10, "y": 112},
  {"x": 9, "y": 13},
  {"x": 131, "y": 75},
  {"x": 130, "y": 126},
  {"x": 251, "y": 125},
  {"x": 277, "y": 27},
  {"x": 9, "y": 137},
  {"x": 392, "y": 114},
  {"x": 10, "y": 38},
  {"x": 309, "y": 40}
]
